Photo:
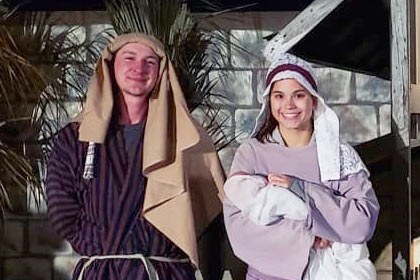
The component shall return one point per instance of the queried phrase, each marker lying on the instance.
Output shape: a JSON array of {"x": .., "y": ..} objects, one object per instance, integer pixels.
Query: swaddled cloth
[{"x": 264, "y": 204}]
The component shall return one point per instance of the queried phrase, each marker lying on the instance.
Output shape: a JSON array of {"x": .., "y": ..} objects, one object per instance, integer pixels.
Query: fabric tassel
[{"x": 89, "y": 163}]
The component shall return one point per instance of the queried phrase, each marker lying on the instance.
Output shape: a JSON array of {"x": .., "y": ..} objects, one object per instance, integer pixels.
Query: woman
[{"x": 295, "y": 145}]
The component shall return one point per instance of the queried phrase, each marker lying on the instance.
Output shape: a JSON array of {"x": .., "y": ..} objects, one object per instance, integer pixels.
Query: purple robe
[
  {"x": 345, "y": 211},
  {"x": 102, "y": 216}
]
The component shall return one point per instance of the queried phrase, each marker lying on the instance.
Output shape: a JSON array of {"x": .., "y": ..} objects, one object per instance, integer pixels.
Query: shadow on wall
[{"x": 30, "y": 250}]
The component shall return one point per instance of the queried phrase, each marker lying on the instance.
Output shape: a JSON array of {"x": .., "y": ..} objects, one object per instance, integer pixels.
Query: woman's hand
[
  {"x": 321, "y": 243},
  {"x": 279, "y": 180}
]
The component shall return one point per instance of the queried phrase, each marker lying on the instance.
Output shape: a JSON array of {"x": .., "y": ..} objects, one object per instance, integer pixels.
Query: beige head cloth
[{"x": 184, "y": 174}]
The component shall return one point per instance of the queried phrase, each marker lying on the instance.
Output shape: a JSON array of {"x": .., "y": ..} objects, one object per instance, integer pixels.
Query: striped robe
[{"x": 102, "y": 216}]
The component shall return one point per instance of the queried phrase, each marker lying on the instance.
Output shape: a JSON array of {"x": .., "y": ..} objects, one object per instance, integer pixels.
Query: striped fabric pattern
[{"x": 102, "y": 216}]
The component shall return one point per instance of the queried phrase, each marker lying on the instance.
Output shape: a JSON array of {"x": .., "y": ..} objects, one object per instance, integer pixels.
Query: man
[{"x": 134, "y": 182}]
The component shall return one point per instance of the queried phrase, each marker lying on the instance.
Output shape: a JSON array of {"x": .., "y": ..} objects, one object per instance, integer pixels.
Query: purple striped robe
[{"x": 102, "y": 216}]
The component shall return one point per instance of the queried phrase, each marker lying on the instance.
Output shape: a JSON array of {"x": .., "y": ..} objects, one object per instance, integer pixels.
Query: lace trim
[{"x": 350, "y": 162}]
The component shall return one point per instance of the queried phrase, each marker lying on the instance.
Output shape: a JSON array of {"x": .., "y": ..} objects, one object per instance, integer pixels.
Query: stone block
[
  {"x": 227, "y": 275},
  {"x": 247, "y": 48},
  {"x": 44, "y": 240},
  {"x": 217, "y": 53},
  {"x": 385, "y": 119},
  {"x": 357, "y": 123},
  {"x": 73, "y": 108},
  {"x": 370, "y": 88},
  {"x": 12, "y": 243},
  {"x": 245, "y": 122},
  {"x": 384, "y": 261},
  {"x": 77, "y": 83},
  {"x": 226, "y": 157},
  {"x": 203, "y": 116},
  {"x": 234, "y": 86},
  {"x": 218, "y": 123},
  {"x": 100, "y": 33},
  {"x": 35, "y": 199},
  {"x": 27, "y": 268},
  {"x": 260, "y": 76},
  {"x": 334, "y": 85},
  {"x": 64, "y": 267},
  {"x": 77, "y": 34}
]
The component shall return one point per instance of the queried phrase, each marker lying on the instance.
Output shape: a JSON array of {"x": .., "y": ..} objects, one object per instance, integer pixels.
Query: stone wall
[
  {"x": 362, "y": 102},
  {"x": 31, "y": 250}
]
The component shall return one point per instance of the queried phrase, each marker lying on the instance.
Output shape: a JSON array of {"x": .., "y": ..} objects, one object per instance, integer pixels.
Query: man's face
[{"x": 136, "y": 68}]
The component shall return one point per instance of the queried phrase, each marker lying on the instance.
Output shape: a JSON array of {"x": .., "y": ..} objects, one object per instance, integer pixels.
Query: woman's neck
[{"x": 296, "y": 138}]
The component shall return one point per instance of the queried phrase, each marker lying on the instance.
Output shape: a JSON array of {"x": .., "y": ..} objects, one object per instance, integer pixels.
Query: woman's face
[{"x": 292, "y": 105}]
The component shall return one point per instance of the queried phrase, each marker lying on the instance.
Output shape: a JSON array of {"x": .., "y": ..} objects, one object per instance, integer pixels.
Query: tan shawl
[{"x": 185, "y": 178}]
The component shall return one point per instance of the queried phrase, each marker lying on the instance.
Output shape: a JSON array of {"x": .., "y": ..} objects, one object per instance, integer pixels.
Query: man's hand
[
  {"x": 279, "y": 180},
  {"x": 321, "y": 243}
]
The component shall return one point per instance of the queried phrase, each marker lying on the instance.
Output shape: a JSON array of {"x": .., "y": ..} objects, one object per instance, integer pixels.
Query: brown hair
[{"x": 270, "y": 123}]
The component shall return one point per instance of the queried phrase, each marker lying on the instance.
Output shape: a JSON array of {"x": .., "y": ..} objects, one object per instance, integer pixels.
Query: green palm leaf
[
  {"x": 187, "y": 46},
  {"x": 38, "y": 66}
]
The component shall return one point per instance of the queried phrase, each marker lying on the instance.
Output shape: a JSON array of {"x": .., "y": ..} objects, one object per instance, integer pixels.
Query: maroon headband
[{"x": 292, "y": 67}]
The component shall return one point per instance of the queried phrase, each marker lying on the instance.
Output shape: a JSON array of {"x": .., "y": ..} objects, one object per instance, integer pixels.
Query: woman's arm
[
  {"x": 280, "y": 249},
  {"x": 344, "y": 210},
  {"x": 262, "y": 203}
]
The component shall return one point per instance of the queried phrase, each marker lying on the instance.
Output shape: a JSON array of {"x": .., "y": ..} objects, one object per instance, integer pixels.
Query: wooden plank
[
  {"x": 302, "y": 24},
  {"x": 417, "y": 40},
  {"x": 400, "y": 68},
  {"x": 415, "y": 99},
  {"x": 400, "y": 87}
]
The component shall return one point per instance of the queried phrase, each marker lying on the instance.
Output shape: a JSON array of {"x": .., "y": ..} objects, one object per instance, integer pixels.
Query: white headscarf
[{"x": 326, "y": 123}]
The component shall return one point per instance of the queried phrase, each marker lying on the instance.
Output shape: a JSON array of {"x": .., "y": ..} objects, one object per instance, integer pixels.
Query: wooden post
[
  {"x": 303, "y": 23},
  {"x": 415, "y": 86},
  {"x": 400, "y": 87}
]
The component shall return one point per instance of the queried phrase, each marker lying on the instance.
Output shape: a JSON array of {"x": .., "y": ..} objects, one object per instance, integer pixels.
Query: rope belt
[{"x": 150, "y": 269}]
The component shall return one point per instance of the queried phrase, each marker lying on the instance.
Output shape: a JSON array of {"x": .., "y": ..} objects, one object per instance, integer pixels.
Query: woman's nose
[{"x": 289, "y": 102}]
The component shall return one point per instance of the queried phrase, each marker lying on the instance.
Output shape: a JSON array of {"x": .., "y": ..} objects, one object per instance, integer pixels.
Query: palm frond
[
  {"x": 39, "y": 65},
  {"x": 187, "y": 46}
]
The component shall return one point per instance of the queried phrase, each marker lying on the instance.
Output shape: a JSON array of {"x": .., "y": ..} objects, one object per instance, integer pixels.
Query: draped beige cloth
[{"x": 185, "y": 179}]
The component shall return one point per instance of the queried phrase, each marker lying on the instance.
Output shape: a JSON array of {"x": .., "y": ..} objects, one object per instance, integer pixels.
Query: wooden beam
[
  {"x": 400, "y": 80},
  {"x": 302, "y": 24},
  {"x": 415, "y": 99},
  {"x": 400, "y": 88},
  {"x": 417, "y": 40}
]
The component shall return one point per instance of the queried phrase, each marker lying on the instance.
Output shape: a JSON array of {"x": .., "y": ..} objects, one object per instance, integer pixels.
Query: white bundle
[{"x": 266, "y": 204}]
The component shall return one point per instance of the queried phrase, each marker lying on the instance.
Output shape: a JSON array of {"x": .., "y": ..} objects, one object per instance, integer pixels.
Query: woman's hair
[{"x": 270, "y": 123}]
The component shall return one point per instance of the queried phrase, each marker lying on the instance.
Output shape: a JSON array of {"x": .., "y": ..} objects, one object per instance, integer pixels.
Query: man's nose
[{"x": 140, "y": 67}]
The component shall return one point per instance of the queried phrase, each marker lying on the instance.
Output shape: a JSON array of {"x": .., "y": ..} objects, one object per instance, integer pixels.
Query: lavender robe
[
  {"x": 102, "y": 216},
  {"x": 345, "y": 210}
]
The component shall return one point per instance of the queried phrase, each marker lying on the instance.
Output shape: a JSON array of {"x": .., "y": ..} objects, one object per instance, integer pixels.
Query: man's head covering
[
  {"x": 326, "y": 123},
  {"x": 172, "y": 142}
]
